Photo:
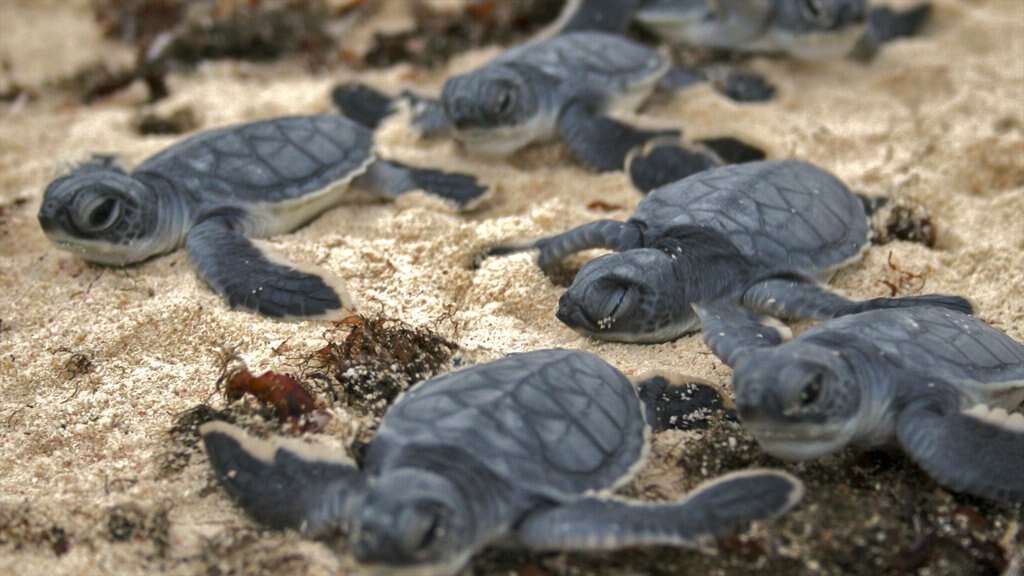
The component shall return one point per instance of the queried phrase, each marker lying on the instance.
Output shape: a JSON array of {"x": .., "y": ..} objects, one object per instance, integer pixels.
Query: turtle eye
[
  {"x": 811, "y": 391},
  {"x": 503, "y": 102},
  {"x": 818, "y": 11},
  {"x": 99, "y": 213}
]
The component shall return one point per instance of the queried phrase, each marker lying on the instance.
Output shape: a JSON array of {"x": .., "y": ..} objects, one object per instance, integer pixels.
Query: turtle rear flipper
[
  {"x": 886, "y": 25},
  {"x": 979, "y": 451},
  {"x": 391, "y": 179},
  {"x": 278, "y": 484},
  {"x": 596, "y": 16},
  {"x": 601, "y": 142},
  {"x": 665, "y": 161},
  {"x": 235, "y": 268},
  {"x": 715, "y": 508},
  {"x": 362, "y": 104}
]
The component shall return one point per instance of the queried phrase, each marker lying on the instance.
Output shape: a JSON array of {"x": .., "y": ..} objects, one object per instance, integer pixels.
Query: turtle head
[
  {"x": 810, "y": 16},
  {"x": 631, "y": 296},
  {"x": 799, "y": 400},
  {"x": 101, "y": 214},
  {"x": 411, "y": 520},
  {"x": 494, "y": 109}
]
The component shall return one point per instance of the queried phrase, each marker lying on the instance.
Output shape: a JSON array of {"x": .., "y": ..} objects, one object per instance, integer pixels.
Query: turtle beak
[
  {"x": 49, "y": 216},
  {"x": 572, "y": 314}
]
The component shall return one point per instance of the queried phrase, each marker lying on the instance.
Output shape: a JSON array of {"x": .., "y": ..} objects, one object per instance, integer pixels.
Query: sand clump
[{"x": 99, "y": 367}]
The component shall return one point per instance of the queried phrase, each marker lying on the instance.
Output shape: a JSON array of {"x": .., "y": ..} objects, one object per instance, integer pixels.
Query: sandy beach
[{"x": 97, "y": 364}]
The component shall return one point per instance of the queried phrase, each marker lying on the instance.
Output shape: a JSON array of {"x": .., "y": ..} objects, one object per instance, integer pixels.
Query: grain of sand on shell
[{"x": 939, "y": 119}]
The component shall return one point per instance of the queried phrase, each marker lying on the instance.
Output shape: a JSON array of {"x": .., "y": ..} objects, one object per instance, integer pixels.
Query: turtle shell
[
  {"x": 778, "y": 214},
  {"x": 592, "y": 61},
  {"x": 272, "y": 161},
  {"x": 957, "y": 348},
  {"x": 553, "y": 422}
]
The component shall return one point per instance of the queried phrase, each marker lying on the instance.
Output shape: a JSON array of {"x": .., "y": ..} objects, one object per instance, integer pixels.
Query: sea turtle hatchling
[
  {"x": 756, "y": 235},
  {"x": 216, "y": 190},
  {"x": 521, "y": 451},
  {"x": 936, "y": 382},
  {"x": 562, "y": 87},
  {"x": 803, "y": 29}
]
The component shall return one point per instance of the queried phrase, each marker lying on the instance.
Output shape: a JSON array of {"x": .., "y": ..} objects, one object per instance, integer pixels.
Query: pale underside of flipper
[
  {"x": 717, "y": 507},
  {"x": 979, "y": 451},
  {"x": 248, "y": 278},
  {"x": 281, "y": 484}
]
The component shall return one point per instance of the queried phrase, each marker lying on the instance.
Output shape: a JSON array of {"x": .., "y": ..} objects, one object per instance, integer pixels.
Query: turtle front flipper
[
  {"x": 391, "y": 179},
  {"x": 677, "y": 402},
  {"x": 796, "y": 297},
  {"x": 610, "y": 234},
  {"x": 729, "y": 329},
  {"x": 601, "y": 142},
  {"x": 979, "y": 451},
  {"x": 236, "y": 269},
  {"x": 716, "y": 508},
  {"x": 282, "y": 485}
]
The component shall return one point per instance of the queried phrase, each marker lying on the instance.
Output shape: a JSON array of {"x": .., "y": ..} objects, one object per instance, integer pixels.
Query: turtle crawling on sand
[
  {"x": 563, "y": 87},
  {"x": 523, "y": 451},
  {"x": 936, "y": 382},
  {"x": 216, "y": 190},
  {"x": 753, "y": 236},
  {"x": 804, "y": 29}
]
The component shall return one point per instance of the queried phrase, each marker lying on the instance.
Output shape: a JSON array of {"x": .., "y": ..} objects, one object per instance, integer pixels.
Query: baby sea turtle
[
  {"x": 804, "y": 29},
  {"x": 216, "y": 190},
  {"x": 937, "y": 382},
  {"x": 757, "y": 235},
  {"x": 525, "y": 450},
  {"x": 562, "y": 87}
]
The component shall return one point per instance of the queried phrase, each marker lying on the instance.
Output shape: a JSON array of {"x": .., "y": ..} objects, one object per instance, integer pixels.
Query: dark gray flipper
[
  {"x": 886, "y": 25},
  {"x": 612, "y": 16},
  {"x": 680, "y": 78},
  {"x": 717, "y": 507},
  {"x": 369, "y": 107},
  {"x": 391, "y": 179},
  {"x": 247, "y": 278},
  {"x": 978, "y": 451},
  {"x": 602, "y": 143},
  {"x": 362, "y": 104},
  {"x": 662, "y": 163},
  {"x": 800, "y": 298},
  {"x": 733, "y": 151},
  {"x": 730, "y": 329},
  {"x": 610, "y": 234},
  {"x": 674, "y": 402},
  {"x": 745, "y": 87},
  {"x": 281, "y": 485}
]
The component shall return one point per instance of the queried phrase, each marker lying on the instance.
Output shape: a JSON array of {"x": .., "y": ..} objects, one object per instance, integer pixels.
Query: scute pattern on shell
[
  {"x": 271, "y": 161},
  {"x": 552, "y": 422},
  {"x": 790, "y": 213}
]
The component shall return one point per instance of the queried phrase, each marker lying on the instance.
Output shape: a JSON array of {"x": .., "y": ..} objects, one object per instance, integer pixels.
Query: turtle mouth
[{"x": 797, "y": 442}]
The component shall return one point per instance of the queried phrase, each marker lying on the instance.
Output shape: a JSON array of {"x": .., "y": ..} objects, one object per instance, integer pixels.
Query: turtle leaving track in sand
[
  {"x": 563, "y": 87},
  {"x": 803, "y": 29},
  {"x": 525, "y": 450},
  {"x": 216, "y": 190},
  {"x": 748, "y": 236},
  {"x": 936, "y": 382}
]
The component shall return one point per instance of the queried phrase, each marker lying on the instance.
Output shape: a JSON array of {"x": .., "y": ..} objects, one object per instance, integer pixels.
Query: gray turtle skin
[
  {"x": 564, "y": 87},
  {"x": 214, "y": 191},
  {"x": 803, "y": 29},
  {"x": 523, "y": 451},
  {"x": 749, "y": 236},
  {"x": 935, "y": 382}
]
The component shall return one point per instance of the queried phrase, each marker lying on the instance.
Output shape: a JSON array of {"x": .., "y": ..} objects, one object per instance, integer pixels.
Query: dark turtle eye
[
  {"x": 503, "y": 104},
  {"x": 431, "y": 533},
  {"x": 99, "y": 213},
  {"x": 103, "y": 214},
  {"x": 811, "y": 391},
  {"x": 818, "y": 11}
]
